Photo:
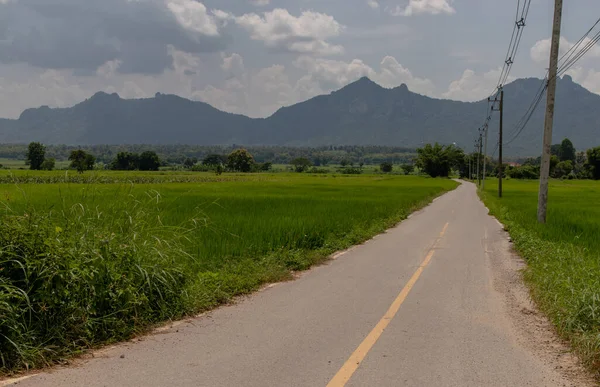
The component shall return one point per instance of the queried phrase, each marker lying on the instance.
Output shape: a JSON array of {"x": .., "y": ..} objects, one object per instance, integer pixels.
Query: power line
[{"x": 567, "y": 61}]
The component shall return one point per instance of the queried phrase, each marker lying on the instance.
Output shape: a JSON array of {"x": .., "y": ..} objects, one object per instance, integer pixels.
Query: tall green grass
[
  {"x": 86, "y": 264},
  {"x": 563, "y": 256}
]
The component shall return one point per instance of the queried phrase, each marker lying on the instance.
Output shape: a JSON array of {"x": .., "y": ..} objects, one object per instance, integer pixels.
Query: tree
[
  {"x": 48, "y": 164},
  {"x": 386, "y": 167},
  {"x": 213, "y": 160},
  {"x": 567, "y": 151},
  {"x": 437, "y": 160},
  {"x": 240, "y": 160},
  {"x": 301, "y": 164},
  {"x": 407, "y": 168},
  {"x": 593, "y": 162},
  {"x": 125, "y": 161},
  {"x": 36, "y": 154},
  {"x": 562, "y": 169},
  {"x": 190, "y": 162},
  {"x": 554, "y": 160},
  {"x": 81, "y": 160},
  {"x": 344, "y": 163},
  {"x": 148, "y": 161}
]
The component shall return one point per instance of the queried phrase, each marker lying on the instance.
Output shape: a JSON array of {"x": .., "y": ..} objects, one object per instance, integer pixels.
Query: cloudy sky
[{"x": 254, "y": 56}]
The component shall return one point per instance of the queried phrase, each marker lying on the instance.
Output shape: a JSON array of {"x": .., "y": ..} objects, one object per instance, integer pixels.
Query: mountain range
[{"x": 361, "y": 113}]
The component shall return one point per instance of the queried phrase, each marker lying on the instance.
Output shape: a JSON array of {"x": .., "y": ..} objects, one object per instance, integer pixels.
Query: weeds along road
[{"x": 436, "y": 301}]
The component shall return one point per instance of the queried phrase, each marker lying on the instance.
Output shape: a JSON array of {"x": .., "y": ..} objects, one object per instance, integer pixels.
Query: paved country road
[{"x": 436, "y": 301}]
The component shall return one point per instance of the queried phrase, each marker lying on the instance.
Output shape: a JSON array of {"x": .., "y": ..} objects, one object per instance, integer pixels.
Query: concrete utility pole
[
  {"x": 479, "y": 160},
  {"x": 485, "y": 134},
  {"x": 545, "y": 167},
  {"x": 500, "y": 166},
  {"x": 470, "y": 167}
]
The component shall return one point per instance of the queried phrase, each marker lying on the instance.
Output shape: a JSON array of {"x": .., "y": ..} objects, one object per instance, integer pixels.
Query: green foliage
[
  {"x": 386, "y": 167},
  {"x": 563, "y": 169},
  {"x": 77, "y": 277},
  {"x": 301, "y": 164},
  {"x": 593, "y": 162},
  {"x": 189, "y": 162},
  {"x": 563, "y": 256},
  {"x": 567, "y": 151},
  {"x": 437, "y": 160},
  {"x": 407, "y": 168},
  {"x": 148, "y": 161},
  {"x": 35, "y": 156},
  {"x": 523, "y": 172},
  {"x": 81, "y": 160},
  {"x": 214, "y": 160},
  {"x": 125, "y": 161},
  {"x": 85, "y": 265},
  {"x": 48, "y": 164},
  {"x": 240, "y": 160}
]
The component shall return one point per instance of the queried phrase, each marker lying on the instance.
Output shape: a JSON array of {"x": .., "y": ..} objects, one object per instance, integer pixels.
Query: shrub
[
  {"x": 75, "y": 278},
  {"x": 386, "y": 167}
]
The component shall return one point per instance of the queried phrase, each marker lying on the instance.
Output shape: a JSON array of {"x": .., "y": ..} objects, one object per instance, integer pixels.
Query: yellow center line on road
[{"x": 351, "y": 365}]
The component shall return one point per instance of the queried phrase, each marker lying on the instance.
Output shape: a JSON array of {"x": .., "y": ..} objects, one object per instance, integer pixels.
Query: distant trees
[
  {"x": 386, "y": 167},
  {"x": 567, "y": 151},
  {"x": 189, "y": 162},
  {"x": 437, "y": 160},
  {"x": 301, "y": 164},
  {"x": 48, "y": 164},
  {"x": 407, "y": 168},
  {"x": 240, "y": 160},
  {"x": 213, "y": 160},
  {"x": 126, "y": 161},
  {"x": 148, "y": 161},
  {"x": 81, "y": 160},
  {"x": 593, "y": 162},
  {"x": 35, "y": 156}
]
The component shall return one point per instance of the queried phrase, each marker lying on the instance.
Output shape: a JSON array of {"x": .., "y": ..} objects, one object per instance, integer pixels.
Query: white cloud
[
  {"x": 332, "y": 74},
  {"x": 260, "y": 3},
  {"x": 373, "y": 4},
  {"x": 473, "y": 87},
  {"x": 305, "y": 34},
  {"x": 415, "y": 7},
  {"x": 193, "y": 16},
  {"x": 540, "y": 52},
  {"x": 590, "y": 79}
]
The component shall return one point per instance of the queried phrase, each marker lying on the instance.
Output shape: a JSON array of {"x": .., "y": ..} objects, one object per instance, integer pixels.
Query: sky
[{"x": 254, "y": 56}]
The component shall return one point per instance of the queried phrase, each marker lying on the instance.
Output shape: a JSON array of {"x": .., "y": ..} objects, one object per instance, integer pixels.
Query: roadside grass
[
  {"x": 82, "y": 265},
  {"x": 563, "y": 256}
]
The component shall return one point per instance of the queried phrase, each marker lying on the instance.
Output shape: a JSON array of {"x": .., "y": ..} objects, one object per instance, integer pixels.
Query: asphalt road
[{"x": 421, "y": 305}]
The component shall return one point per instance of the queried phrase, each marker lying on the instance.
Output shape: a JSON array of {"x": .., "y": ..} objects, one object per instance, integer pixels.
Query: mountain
[{"x": 362, "y": 113}]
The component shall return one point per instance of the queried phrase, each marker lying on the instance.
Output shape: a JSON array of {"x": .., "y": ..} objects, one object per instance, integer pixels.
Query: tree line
[
  {"x": 439, "y": 161},
  {"x": 80, "y": 160},
  {"x": 176, "y": 155}
]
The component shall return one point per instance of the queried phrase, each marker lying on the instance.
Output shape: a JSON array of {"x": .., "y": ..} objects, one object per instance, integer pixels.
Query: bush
[
  {"x": 75, "y": 278},
  {"x": 386, "y": 167},
  {"x": 351, "y": 171},
  {"x": 48, "y": 164}
]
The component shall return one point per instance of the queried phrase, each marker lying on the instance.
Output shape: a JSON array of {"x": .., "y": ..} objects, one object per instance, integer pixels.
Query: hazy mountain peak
[{"x": 362, "y": 113}]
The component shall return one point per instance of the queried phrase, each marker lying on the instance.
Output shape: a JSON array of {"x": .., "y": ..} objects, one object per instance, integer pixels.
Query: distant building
[{"x": 513, "y": 164}]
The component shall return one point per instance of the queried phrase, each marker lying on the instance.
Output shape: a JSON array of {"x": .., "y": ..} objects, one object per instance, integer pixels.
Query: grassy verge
[
  {"x": 563, "y": 256},
  {"x": 87, "y": 264}
]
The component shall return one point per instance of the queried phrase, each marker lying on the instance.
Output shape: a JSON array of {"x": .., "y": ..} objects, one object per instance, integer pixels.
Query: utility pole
[
  {"x": 470, "y": 167},
  {"x": 500, "y": 166},
  {"x": 549, "y": 122},
  {"x": 485, "y": 135},
  {"x": 479, "y": 160},
  {"x": 501, "y": 110}
]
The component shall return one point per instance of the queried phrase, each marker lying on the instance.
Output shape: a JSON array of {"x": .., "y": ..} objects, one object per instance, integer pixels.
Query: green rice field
[
  {"x": 96, "y": 258},
  {"x": 563, "y": 256}
]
